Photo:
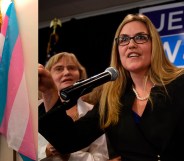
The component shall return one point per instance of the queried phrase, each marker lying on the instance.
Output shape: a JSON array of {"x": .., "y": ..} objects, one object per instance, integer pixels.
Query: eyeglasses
[{"x": 125, "y": 40}]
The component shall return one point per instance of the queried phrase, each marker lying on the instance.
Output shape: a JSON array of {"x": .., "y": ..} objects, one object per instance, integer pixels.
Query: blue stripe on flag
[
  {"x": 10, "y": 39},
  {"x": 24, "y": 158}
]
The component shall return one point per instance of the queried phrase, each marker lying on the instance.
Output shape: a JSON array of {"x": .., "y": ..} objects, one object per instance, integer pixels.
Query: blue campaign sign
[
  {"x": 169, "y": 22},
  {"x": 174, "y": 48}
]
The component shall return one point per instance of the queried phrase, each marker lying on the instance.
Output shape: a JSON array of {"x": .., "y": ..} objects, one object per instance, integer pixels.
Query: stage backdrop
[{"x": 91, "y": 38}]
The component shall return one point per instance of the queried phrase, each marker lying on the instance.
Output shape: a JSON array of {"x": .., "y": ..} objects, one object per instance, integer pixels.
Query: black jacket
[{"x": 158, "y": 136}]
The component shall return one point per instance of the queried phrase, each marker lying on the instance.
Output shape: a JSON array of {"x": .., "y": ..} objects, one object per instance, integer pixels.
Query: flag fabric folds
[{"x": 15, "y": 117}]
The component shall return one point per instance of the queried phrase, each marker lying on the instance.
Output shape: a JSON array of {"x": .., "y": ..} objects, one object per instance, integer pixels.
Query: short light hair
[{"x": 70, "y": 56}]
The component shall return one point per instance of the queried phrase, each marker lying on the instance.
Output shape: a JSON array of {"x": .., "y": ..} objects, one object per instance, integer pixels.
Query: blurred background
[{"x": 85, "y": 27}]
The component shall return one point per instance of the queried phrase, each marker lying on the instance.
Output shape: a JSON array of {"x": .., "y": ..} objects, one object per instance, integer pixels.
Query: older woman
[{"x": 66, "y": 70}]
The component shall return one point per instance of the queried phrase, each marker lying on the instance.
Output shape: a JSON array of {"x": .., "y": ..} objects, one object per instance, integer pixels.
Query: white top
[{"x": 96, "y": 151}]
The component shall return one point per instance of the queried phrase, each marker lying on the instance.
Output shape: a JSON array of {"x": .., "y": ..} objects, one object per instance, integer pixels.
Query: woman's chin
[{"x": 66, "y": 84}]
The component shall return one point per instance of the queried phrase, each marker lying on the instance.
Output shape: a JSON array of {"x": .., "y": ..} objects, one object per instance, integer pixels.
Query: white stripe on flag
[
  {"x": 1, "y": 44},
  {"x": 19, "y": 116}
]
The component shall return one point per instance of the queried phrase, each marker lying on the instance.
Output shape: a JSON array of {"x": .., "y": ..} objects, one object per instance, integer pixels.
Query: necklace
[{"x": 138, "y": 97}]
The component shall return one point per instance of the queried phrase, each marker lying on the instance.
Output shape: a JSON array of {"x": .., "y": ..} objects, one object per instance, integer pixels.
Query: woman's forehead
[
  {"x": 134, "y": 26},
  {"x": 66, "y": 60}
]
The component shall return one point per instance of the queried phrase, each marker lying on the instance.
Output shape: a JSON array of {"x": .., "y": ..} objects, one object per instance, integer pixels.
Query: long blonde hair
[{"x": 161, "y": 72}]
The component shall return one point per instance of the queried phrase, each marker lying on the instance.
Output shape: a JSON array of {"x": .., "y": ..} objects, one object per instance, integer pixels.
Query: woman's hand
[
  {"x": 45, "y": 81},
  {"x": 52, "y": 152},
  {"x": 47, "y": 87}
]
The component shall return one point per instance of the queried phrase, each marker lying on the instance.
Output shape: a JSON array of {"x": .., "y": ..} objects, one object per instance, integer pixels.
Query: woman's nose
[
  {"x": 66, "y": 71},
  {"x": 132, "y": 44}
]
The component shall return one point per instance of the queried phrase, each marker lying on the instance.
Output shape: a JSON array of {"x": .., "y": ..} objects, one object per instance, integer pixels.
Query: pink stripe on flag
[
  {"x": 27, "y": 147},
  {"x": 5, "y": 25},
  {"x": 14, "y": 78}
]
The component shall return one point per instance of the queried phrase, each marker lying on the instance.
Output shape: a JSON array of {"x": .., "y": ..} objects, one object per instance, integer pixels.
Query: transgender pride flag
[{"x": 15, "y": 118}]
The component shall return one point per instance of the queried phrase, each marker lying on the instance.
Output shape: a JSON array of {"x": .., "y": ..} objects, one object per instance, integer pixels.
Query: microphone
[{"x": 85, "y": 86}]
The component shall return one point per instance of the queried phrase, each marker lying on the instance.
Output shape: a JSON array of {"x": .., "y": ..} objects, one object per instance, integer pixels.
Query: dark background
[{"x": 90, "y": 39}]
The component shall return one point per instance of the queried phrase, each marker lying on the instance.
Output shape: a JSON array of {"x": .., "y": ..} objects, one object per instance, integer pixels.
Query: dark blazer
[{"x": 158, "y": 136}]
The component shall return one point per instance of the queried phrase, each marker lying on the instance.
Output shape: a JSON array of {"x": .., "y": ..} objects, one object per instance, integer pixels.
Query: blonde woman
[{"x": 141, "y": 112}]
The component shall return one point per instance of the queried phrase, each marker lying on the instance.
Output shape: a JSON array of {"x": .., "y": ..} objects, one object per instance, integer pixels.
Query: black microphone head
[{"x": 113, "y": 72}]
